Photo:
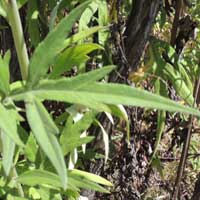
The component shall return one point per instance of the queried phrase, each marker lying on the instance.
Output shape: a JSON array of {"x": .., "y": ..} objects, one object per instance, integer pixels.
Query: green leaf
[
  {"x": 39, "y": 177},
  {"x": 10, "y": 197},
  {"x": 103, "y": 20},
  {"x": 72, "y": 56},
  {"x": 8, "y": 153},
  {"x": 33, "y": 193},
  {"x": 87, "y": 15},
  {"x": 2, "y": 10},
  {"x": 105, "y": 140},
  {"x": 74, "y": 142},
  {"x": 8, "y": 124},
  {"x": 96, "y": 95},
  {"x": 156, "y": 163},
  {"x": 17, "y": 85},
  {"x": 160, "y": 88},
  {"x": 33, "y": 23},
  {"x": 119, "y": 111},
  {"x": 91, "y": 177},
  {"x": 163, "y": 16},
  {"x": 72, "y": 194},
  {"x": 173, "y": 72},
  {"x": 186, "y": 77},
  {"x": 44, "y": 192},
  {"x": 20, "y": 3},
  {"x": 82, "y": 90},
  {"x": 38, "y": 119},
  {"x": 47, "y": 121},
  {"x": 179, "y": 84},
  {"x": 4, "y": 74},
  {"x": 82, "y": 182},
  {"x": 31, "y": 148},
  {"x": 52, "y": 45},
  {"x": 79, "y": 81},
  {"x": 90, "y": 77},
  {"x": 70, "y": 137},
  {"x": 53, "y": 16},
  {"x": 82, "y": 35}
]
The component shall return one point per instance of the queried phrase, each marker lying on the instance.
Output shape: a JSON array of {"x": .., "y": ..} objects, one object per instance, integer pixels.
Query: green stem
[
  {"x": 20, "y": 45},
  {"x": 19, "y": 187},
  {"x": 14, "y": 175}
]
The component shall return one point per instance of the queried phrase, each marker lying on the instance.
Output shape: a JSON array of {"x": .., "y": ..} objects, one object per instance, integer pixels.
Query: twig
[
  {"x": 169, "y": 158},
  {"x": 185, "y": 148}
]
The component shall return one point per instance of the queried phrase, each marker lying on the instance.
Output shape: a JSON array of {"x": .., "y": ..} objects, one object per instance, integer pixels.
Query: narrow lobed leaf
[
  {"x": 47, "y": 50},
  {"x": 8, "y": 153},
  {"x": 39, "y": 177},
  {"x": 81, "y": 35},
  {"x": 72, "y": 56},
  {"x": 83, "y": 90},
  {"x": 48, "y": 142},
  {"x": 8, "y": 124},
  {"x": 4, "y": 73},
  {"x": 91, "y": 177},
  {"x": 76, "y": 178}
]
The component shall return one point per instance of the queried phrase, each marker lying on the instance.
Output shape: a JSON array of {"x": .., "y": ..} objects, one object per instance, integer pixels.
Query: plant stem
[
  {"x": 20, "y": 45},
  {"x": 19, "y": 187},
  {"x": 185, "y": 150}
]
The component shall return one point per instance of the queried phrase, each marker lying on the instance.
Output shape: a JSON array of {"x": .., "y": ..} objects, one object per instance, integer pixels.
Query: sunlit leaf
[
  {"x": 87, "y": 15},
  {"x": 4, "y": 73},
  {"x": 41, "y": 177},
  {"x": 53, "y": 16},
  {"x": 82, "y": 35},
  {"x": 2, "y": 10},
  {"x": 8, "y": 124},
  {"x": 170, "y": 69},
  {"x": 179, "y": 84},
  {"x": 96, "y": 95},
  {"x": 119, "y": 111},
  {"x": 11, "y": 197},
  {"x": 31, "y": 148},
  {"x": 52, "y": 45},
  {"x": 103, "y": 20},
  {"x": 105, "y": 140},
  {"x": 91, "y": 177},
  {"x": 71, "y": 134},
  {"x": 37, "y": 115},
  {"x": 82, "y": 182},
  {"x": 73, "y": 56},
  {"x": 8, "y": 153},
  {"x": 33, "y": 23}
]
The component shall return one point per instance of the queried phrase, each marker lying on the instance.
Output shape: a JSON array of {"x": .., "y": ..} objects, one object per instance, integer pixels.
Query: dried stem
[{"x": 185, "y": 148}]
